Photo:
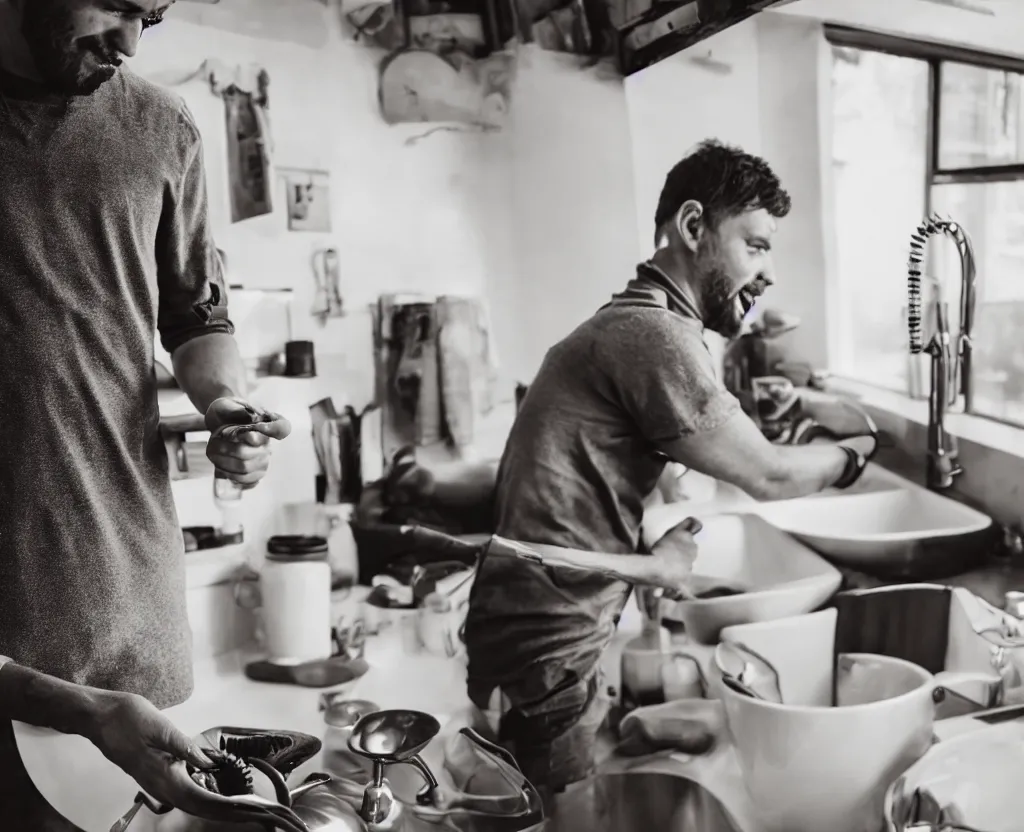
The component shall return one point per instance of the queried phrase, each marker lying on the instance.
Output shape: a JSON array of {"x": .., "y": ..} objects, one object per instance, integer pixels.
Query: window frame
[{"x": 935, "y": 55}]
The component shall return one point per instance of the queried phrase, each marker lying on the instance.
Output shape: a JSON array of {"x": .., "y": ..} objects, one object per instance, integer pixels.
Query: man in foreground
[
  {"x": 106, "y": 239},
  {"x": 629, "y": 390}
]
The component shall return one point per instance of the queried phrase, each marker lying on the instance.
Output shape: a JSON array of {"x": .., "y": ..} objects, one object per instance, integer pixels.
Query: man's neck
[
  {"x": 679, "y": 272},
  {"x": 15, "y": 56}
]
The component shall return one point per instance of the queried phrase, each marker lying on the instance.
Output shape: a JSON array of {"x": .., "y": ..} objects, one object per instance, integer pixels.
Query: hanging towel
[
  {"x": 468, "y": 365},
  {"x": 417, "y": 372},
  {"x": 248, "y": 156}
]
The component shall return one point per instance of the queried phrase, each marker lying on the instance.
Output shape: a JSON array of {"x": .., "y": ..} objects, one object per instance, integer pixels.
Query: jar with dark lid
[
  {"x": 296, "y": 548},
  {"x": 296, "y": 586}
]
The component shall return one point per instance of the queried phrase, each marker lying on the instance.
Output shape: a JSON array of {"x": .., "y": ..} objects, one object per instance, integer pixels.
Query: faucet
[{"x": 950, "y": 363}]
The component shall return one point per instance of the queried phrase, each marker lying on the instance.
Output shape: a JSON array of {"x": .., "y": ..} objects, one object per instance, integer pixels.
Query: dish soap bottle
[{"x": 227, "y": 496}]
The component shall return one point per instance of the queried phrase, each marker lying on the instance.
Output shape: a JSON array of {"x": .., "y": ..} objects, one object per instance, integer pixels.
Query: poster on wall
[{"x": 309, "y": 200}]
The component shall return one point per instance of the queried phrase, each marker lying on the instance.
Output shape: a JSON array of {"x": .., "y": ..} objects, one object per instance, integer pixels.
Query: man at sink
[{"x": 629, "y": 390}]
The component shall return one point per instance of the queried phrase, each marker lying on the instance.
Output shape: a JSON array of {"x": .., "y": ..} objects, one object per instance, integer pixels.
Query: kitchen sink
[
  {"x": 706, "y": 495},
  {"x": 874, "y": 480},
  {"x": 909, "y": 533},
  {"x": 884, "y": 525},
  {"x": 775, "y": 575},
  {"x": 709, "y": 497}
]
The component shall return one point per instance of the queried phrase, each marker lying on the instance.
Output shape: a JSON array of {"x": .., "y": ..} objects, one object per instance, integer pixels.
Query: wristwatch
[{"x": 855, "y": 465}]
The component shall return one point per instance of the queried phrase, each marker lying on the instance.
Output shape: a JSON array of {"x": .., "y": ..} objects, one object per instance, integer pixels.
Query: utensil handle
[
  {"x": 122, "y": 823},
  {"x": 490, "y": 747},
  {"x": 423, "y": 536}
]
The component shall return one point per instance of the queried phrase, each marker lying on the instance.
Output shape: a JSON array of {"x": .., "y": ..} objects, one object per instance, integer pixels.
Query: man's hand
[
  {"x": 840, "y": 416},
  {"x": 133, "y": 734},
  {"x": 136, "y": 736},
  {"x": 239, "y": 444},
  {"x": 672, "y": 559}
]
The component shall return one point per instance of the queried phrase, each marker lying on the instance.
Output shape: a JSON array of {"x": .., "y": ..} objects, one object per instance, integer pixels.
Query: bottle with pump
[{"x": 644, "y": 655}]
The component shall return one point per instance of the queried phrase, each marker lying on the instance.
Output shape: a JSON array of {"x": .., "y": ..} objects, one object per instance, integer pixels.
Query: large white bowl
[{"x": 781, "y": 576}]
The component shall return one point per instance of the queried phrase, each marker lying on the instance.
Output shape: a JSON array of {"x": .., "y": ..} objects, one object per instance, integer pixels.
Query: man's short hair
[{"x": 723, "y": 179}]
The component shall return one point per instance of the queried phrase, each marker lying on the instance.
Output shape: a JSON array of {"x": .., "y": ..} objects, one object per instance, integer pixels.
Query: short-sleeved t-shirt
[
  {"x": 103, "y": 218},
  {"x": 580, "y": 460}
]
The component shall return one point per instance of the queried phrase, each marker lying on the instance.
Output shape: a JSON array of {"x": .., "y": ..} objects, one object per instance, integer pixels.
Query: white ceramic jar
[{"x": 295, "y": 583}]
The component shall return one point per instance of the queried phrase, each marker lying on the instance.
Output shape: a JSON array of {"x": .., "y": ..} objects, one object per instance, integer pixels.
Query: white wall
[
  {"x": 765, "y": 98},
  {"x": 399, "y": 211},
  {"x": 572, "y": 201},
  {"x": 676, "y": 103},
  {"x": 794, "y": 108},
  {"x": 538, "y": 217}
]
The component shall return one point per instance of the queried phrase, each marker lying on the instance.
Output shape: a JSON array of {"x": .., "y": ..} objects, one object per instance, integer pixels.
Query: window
[{"x": 920, "y": 129}]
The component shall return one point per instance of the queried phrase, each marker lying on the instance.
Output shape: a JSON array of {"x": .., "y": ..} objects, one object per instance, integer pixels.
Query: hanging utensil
[
  {"x": 327, "y": 302},
  {"x": 747, "y": 672},
  {"x": 330, "y": 439}
]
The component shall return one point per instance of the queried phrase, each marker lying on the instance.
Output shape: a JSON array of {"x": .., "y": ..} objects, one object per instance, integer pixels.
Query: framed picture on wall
[{"x": 309, "y": 200}]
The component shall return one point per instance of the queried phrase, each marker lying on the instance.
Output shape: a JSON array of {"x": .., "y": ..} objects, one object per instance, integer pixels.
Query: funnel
[
  {"x": 393, "y": 736},
  {"x": 388, "y": 738}
]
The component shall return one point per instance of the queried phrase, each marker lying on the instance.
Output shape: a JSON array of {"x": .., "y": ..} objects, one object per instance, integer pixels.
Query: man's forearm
[
  {"x": 37, "y": 699},
  {"x": 634, "y": 569},
  {"x": 803, "y": 470},
  {"x": 208, "y": 368}
]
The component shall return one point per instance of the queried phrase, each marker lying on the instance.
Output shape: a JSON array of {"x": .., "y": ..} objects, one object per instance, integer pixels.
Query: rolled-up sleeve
[{"x": 190, "y": 275}]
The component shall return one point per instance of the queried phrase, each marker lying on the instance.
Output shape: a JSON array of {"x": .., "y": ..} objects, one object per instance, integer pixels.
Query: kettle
[{"x": 484, "y": 790}]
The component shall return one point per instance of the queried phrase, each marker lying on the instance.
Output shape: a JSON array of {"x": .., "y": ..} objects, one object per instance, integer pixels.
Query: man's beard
[
  {"x": 63, "y": 61},
  {"x": 718, "y": 294}
]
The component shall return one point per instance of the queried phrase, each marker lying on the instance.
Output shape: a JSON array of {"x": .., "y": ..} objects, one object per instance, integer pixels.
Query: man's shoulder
[
  {"x": 158, "y": 107},
  {"x": 633, "y": 327}
]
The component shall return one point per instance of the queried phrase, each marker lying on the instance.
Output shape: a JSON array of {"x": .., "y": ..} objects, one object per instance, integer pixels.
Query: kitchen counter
[{"x": 224, "y": 696}]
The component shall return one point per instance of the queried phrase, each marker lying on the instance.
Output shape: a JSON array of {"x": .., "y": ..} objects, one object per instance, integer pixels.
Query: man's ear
[{"x": 690, "y": 223}]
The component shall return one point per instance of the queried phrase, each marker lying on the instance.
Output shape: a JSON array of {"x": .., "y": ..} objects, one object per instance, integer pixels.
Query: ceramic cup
[{"x": 808, "y": 768}]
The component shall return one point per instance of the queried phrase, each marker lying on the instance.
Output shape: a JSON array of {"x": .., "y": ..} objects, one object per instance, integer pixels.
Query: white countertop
[
  {"x": 224, "y": 696},
  {"x": 92, "y": 791}
]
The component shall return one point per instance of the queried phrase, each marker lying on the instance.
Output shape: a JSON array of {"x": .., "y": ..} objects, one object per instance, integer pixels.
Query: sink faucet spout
[{"x": 950, "y": 362}]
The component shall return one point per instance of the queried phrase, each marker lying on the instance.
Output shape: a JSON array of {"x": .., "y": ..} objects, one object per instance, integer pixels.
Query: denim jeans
[{"x": 553, "y": 740}]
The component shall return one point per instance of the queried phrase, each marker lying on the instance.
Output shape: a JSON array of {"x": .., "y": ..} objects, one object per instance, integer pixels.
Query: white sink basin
[
  {"x": 779, "y": 575},
  {"x": 908, "y": 532},
  {"x": 706, "y": 495},
  {"x": 709, "y": 497},
  {"x": 885, "y": 525},
  {"x": 874, "y": 480}
]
